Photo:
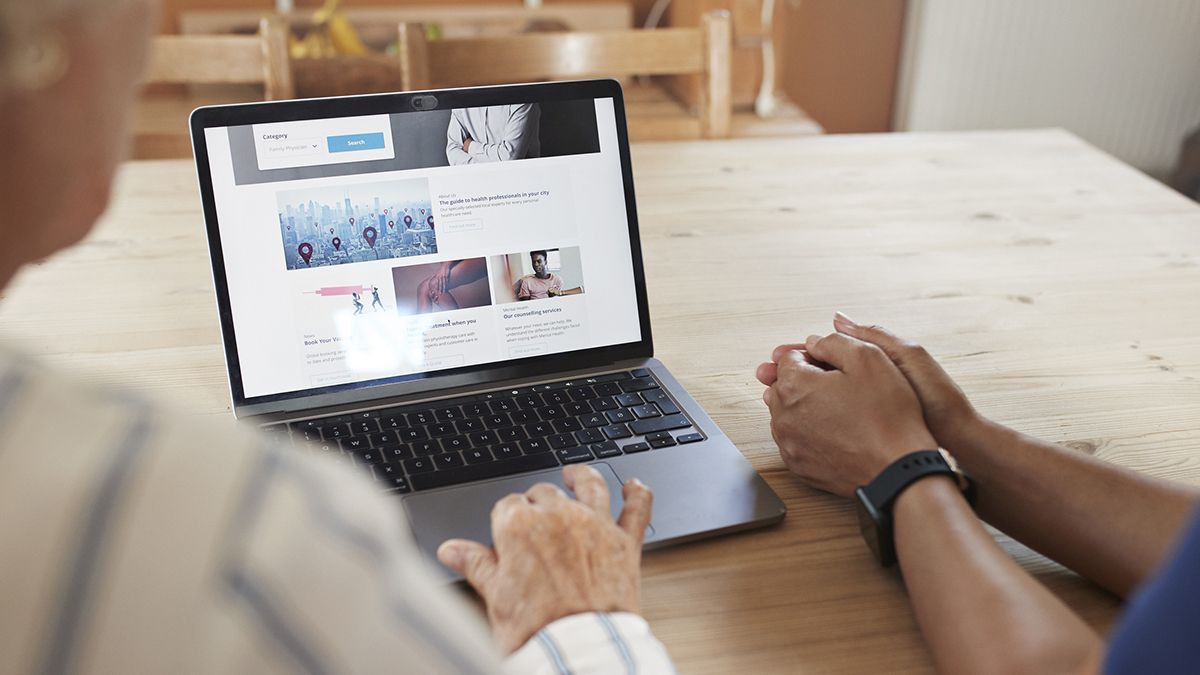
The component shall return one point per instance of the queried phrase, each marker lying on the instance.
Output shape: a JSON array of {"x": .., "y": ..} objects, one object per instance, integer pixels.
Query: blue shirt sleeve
[{"x": 1159, "y": 630}]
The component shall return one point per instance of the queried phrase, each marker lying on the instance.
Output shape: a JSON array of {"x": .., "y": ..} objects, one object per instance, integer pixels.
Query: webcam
[{"x": 424, "y": 102}]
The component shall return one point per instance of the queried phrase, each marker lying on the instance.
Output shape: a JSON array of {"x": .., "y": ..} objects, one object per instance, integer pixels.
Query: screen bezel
[{"x": 418, "y": 383}]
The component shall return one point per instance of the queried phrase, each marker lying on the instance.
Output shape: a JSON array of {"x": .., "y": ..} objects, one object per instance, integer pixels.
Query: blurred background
[{"x": 1123, "y": 75}]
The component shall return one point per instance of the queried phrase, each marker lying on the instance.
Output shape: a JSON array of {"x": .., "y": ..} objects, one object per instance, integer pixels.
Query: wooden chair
[
  {"x": 653, "y": 115},
  {"x": 160, "y": 127}
]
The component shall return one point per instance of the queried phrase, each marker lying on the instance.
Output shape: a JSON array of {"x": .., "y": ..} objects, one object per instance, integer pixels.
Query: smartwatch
[{"x": 875, "y": 501}]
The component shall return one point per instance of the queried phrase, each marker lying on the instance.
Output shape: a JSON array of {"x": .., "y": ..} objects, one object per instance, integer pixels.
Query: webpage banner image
[{"x": 356, "y": 223}]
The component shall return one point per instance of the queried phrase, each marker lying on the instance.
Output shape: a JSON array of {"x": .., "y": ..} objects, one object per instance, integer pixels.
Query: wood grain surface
[{"x": 1060, "y": 287}]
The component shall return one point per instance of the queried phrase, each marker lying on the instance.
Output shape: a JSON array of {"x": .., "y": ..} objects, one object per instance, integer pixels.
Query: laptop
[{"x": 446, "y": 290}]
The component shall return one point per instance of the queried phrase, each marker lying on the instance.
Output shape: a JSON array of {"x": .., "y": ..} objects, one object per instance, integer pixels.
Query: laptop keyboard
[{"x": 460, "y": 440}]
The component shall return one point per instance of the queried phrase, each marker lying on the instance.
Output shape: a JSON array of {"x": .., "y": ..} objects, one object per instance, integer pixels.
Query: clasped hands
[{"x": 847, "y": 405}]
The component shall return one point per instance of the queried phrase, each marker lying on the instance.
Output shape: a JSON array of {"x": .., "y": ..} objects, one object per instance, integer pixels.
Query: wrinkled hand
[
  {"x": 948, "y": 412},
  {"x": 441, "y": 278},
  {"x": 555, "y": 556},
  {"x": 841, "y": 411}
]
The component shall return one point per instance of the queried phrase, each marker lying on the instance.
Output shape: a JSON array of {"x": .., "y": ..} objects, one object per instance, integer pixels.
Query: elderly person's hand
[
  {"x": 841, "y": 411},
  {"x": 555, "y": 556}
]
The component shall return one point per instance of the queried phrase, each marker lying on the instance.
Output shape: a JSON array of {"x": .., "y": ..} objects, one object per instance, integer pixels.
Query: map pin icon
[
  {"x": 392, "y": 224},
  {"x": 351, "y": 221},
  {"x": 429, "y": 221},
  {"x": 369, "y": 234},
  {"x": 422, "y": 211},
  {"x": 385, "y": 212},
  {"x": 337, "y": 243},
  {"x": 331, "y": 230},
  {"x": 305, "y": 250},
  {"x": 408, "y": 220}
]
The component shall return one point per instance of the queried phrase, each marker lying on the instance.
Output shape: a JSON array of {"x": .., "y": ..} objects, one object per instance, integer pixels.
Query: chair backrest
[
  {"x": 225, "y": 59},
  {"x": 703, "y": 51}
]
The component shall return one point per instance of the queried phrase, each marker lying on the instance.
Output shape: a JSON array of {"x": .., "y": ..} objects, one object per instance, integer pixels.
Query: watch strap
[{"x": 887, "y": 486}]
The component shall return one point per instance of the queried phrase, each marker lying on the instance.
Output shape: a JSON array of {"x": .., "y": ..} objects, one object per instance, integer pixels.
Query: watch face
[{"x": 866, "y": 523}]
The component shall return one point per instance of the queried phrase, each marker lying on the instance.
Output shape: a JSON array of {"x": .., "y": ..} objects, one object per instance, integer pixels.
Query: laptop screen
[{"x": 377, "y": 248}]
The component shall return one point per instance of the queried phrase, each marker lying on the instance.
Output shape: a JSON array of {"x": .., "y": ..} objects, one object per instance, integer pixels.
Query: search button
[{"x": 352, "y": 142}]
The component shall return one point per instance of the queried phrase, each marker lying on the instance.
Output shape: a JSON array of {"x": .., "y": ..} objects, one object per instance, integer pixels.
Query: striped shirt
[{"x": 134, "y": 541}]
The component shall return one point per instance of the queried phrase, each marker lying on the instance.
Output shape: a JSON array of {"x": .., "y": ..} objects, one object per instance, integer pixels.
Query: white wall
[{"x": 1123, "y": 74}]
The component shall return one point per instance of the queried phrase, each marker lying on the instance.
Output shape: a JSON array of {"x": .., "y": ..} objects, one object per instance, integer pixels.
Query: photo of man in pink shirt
[{"x": 542, "y": 283}]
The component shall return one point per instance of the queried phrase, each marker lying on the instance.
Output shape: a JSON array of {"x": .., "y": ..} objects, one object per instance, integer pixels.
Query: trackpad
[{"x": 465, "y": 512}]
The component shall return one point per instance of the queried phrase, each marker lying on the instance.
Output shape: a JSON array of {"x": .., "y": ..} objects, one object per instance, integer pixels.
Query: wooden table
[{"x": 1060, "y": 287}]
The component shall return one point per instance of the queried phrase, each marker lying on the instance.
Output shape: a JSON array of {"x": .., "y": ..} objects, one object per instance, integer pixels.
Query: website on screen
[{"x": 381, "y": 246}]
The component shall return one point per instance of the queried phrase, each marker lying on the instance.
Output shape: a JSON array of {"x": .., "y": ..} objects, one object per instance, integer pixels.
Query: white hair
[{"x": 26, "y": 26}]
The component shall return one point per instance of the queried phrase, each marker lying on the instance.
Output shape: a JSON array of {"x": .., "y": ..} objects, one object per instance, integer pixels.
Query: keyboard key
[
  {"x": 275, "y": 429},
  {"x": 532, "y": 446},
  {"x": 666, "y": 423},
  {"x": 364, "y": 426},
  {"x": 529, "y": 401},
  {"x": 496, "y": 421},
  {"x": 560, "y": 441},
  {"x": 641, "y": 372},
  {"x": 385, "y": 472},
  {"x": 426, "y": 481},
  {"x": 455, "y": 443},
  {"x": 662, "y": 442},
  {"x": 503, "y": 405},
  {"x": 646, "y": 411},
  {"x": 552, "y": 412},
  {"x": 582, "y": 393},
  {"x": 605, "y": 449},
  {"x": 606, "y": 389},
  {"x": 356, "y": 443},
  {"x": 420, "y": 418},
  {"x": 616, "y": 431},
  {"x": 369, "y": 456},
  {"x": 449, "y": 414},
  {"x": 523, "y": 417},
  {"x": 660, "y": 398},
  {"x": 657, "y": 435},
  {"x": 619, "y": 415},
  {"x": 506, "y": 451},
  {"x": 422, "y": 448},
  {"x": 410, "y": 435},
  {"x": 567, "y": 425},
  {"x": 418, "y": 465},
  {"x": 476, "y": 409},
  {"x": 510, "y": 434},
  {"x": 308, "y": 435},
  {"x": 635, "y": 447},
  {"x": 556, "y": 397},
  {"x": 538, "y": 429},
  {"x": 606, "y": 403},
  {"x": 594, "y": 420},
  {"x": 332, "y": 431},
  {"x": 638, "y": 384},
  {"x": 392, "y": 422},
  {"x": 385, "y": 439},
  {"x": 477, "y": 456},
  {"x": 629, "y": 400},
  {"x": 397, "y": 453},
  {"x": 578, "y": 408},
  {"x": 573, "y": 455},
  {"x": 449, "y": 460},
  {"x": 689, "y": 438},
  {"x": 482, "y": 439},
  {"x": 467, "y": 426},
  {"x": 398, "y": 484},
  {"x": 441, "y": 429},
  {"x": 589, "y": 436}
]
